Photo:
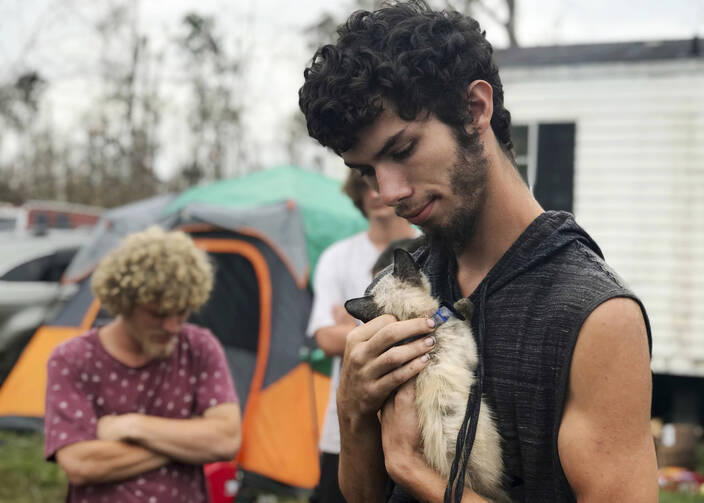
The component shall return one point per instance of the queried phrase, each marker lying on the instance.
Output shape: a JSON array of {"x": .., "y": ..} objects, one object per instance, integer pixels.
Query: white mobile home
[{"x": 615, "y": 133}]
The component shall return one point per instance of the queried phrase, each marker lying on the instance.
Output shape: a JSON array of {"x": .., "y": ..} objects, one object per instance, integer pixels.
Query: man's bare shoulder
[
  {"x": 616, "y": 323},
  {"x": 605, "y": 429}
]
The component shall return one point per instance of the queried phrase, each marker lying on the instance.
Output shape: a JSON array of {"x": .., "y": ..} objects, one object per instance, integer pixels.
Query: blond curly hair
[{"x": 154, "y": 267}]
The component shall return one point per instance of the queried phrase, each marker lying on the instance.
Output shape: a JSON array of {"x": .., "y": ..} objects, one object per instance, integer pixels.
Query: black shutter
[{"x": 554, "y": 181}]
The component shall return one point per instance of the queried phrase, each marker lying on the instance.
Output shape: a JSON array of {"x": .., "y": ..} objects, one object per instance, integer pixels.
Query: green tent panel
[{"x": 328, "y": 215}]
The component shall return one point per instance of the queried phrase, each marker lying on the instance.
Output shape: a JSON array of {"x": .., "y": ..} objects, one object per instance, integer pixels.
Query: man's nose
[{"x": 392, "y": 184}]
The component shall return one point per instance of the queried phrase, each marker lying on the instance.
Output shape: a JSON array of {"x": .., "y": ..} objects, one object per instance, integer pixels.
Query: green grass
[
  {"x": 24, "y": 475},
  {"x": 666, "y": 497},
  {"x": 26, "y": 478}
]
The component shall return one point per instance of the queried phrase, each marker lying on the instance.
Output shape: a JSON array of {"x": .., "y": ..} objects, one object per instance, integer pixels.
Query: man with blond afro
[{"x": 134, "y": 408}]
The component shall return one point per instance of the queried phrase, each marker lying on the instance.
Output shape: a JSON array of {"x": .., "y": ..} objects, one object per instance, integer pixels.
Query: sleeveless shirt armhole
[{"x": 563, "y": 385}]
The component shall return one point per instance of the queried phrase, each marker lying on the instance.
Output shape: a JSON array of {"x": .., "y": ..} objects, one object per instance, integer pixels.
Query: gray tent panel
[
  {"x": 72, "y": 314},
  {"x": 112, "y": 227},
  {"x": 241, "y": 366},
  {"x": 280, "y": 223}
]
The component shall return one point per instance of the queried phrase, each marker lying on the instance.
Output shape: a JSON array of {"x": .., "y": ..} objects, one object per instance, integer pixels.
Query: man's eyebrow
[
  {"x": 389, "y": 143},
  {"x": 387, "y": 146}
]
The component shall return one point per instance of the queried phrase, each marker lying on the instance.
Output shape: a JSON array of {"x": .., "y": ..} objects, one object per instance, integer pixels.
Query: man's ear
[
  {"x": 363, "y": 308},
  {"x": 480, "y": 96}
]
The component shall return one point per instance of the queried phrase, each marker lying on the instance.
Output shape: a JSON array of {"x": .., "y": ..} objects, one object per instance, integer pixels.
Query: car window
[
  {"x": 47, "y": 268},
  {"x": 28, "y": 271},
  {"x": 63, "y": 221},
  {"x": 59, "y": 263},
  {"x": 7, "y": 224}
]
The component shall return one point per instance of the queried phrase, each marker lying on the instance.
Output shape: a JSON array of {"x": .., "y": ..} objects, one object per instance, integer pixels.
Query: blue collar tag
[{"x": 442, "y": 315}]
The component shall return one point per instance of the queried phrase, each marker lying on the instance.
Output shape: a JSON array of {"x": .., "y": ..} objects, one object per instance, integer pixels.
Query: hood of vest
[{"x": 546, "y": 236}]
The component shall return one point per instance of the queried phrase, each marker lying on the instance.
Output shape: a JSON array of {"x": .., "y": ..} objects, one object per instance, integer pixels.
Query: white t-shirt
[{"x": 343, "y": 272}]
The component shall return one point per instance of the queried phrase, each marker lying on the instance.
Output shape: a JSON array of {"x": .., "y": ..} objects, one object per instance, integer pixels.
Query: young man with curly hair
[
  {"x": 136, "y": 407},
  {"x": 412, "y": 99}
]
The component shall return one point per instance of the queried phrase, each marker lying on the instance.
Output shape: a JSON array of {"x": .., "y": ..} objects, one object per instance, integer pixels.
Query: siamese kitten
[{"x": 443, "y": 386}]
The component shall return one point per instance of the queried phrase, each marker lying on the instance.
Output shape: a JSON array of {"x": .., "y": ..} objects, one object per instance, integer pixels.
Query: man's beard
[
  {"x": 156, "y": 351},
  {"x": 468, "y": 181}
]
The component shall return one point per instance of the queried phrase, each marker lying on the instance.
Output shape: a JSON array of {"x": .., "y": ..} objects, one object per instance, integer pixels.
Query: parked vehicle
[
  {"x": 30, "y": 288},
  {"x": 38, "y": 217}
]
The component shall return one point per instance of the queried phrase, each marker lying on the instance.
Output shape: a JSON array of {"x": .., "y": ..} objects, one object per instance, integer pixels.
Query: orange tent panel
[
  {"x": 24, "y": 390},
  {"x": 321, "y": 387},
  {"x": 283, "y": 441}
]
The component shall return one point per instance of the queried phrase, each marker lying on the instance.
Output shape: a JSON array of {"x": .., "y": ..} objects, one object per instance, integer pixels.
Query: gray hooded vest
[{"x": 529, "y": 310}]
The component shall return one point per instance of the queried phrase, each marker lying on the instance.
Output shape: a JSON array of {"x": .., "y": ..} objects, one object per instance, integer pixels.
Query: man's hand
[
  {"x": 100, "y": 461},
  {"x": 115, "y": 427},
  {"x": 215, "y": 436},
  {"x": 373, "y": 367}
]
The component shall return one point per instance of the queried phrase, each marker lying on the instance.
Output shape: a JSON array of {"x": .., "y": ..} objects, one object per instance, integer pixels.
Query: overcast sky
[{"x": 52, "y": 34}]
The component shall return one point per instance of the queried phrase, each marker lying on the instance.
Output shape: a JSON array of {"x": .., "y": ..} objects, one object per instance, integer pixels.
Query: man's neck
[
  {"x": 508, "y": 210},
  {"x": 383, "y": 231},
  {"x": 118, "y": 343}
]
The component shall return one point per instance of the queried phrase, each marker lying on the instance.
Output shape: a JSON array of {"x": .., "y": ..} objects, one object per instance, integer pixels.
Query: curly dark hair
[{"x": 419, "y": 60}]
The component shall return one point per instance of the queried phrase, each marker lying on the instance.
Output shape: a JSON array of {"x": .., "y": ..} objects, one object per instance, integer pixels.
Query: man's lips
[{"x": 421, "y": 215}]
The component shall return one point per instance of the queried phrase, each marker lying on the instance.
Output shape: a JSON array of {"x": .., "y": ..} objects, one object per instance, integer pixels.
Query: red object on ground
[
  {"x": 677, "y": 479},
  {"x": 221, "y": 481}
]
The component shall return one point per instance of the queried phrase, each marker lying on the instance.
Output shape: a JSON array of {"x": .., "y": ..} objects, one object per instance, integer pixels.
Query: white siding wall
[{"x": 639, "y": 182}]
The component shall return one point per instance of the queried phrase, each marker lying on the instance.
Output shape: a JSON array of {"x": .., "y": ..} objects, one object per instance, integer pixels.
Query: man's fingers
[
  {"x": 392, "y": 380},
  {"x": 393, "y": 333},
  {"x": 395, "y": 356},
  {"x": 374, "y": 366},
  {"x": 368, "y": 330}
]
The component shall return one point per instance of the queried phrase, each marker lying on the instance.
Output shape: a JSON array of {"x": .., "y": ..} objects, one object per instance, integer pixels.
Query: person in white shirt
[{"x": 343, "y": 272}]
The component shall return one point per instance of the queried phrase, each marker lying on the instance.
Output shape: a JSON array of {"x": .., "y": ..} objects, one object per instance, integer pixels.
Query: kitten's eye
[{"x": 405, "y": 152}]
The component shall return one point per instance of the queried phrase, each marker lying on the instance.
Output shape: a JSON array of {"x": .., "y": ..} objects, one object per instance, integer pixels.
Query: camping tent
[{"x": 264, "y": 233}]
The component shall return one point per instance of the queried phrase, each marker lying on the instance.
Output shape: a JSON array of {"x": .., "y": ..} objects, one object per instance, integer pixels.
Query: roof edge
[{"x": 608, "y": 52}]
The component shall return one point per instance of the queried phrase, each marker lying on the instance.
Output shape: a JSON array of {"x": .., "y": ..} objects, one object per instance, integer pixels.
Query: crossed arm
[
  {"x": 604, "y": 443},
  {"x": 131, "y": 444},
  {"x": 332, "y": 338}
]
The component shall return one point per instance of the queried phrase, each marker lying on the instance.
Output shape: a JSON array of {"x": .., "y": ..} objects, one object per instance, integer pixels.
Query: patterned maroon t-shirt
[{"x": 85, "y": 383}]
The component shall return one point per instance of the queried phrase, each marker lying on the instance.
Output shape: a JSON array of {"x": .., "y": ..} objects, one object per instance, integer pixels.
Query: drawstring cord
[{"x": 465, "y": 439}]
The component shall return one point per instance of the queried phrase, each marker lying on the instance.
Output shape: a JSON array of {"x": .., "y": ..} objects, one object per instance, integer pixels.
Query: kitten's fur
[{"x": 443, "y": 387}]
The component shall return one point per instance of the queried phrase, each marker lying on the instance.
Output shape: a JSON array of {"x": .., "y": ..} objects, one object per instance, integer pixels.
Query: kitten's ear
[
  {"x": 465, "y": 307},
  {"x": 405, "y": 268},
  {"x": 363, "y": 308}
]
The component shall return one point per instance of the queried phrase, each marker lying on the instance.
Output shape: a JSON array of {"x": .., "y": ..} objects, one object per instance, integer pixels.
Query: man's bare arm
[
  {"x": 99, "y": 461},
  {"x": 332, "y": 338},
  {"x": 214, "y": 437},
  {"x": 361, "y": 472},
  {"x": 605, "y": 444}
]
